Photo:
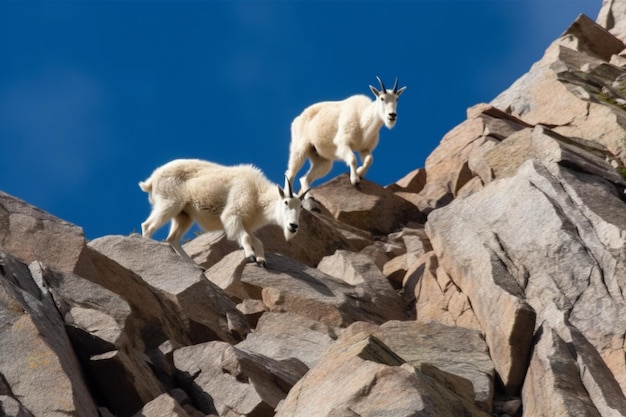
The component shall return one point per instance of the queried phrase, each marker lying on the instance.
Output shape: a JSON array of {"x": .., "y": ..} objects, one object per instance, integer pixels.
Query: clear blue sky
[{"x": 96, "y": 94}]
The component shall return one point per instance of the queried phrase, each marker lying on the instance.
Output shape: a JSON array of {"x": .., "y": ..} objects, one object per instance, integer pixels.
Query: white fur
[
  {"x": 237, "y": 199},
  {"x": 333, "y": 130}
]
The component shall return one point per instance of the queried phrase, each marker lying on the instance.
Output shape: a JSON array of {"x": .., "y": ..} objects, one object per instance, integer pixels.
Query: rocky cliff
[{"x": 489, "y": 282}]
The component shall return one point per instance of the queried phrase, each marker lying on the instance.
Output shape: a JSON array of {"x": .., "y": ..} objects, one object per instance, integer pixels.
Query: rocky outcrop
[{"x": 489, "y": 282}]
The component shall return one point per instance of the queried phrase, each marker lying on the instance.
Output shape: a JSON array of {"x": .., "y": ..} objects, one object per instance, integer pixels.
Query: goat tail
[{"x": 147, "y": 187}]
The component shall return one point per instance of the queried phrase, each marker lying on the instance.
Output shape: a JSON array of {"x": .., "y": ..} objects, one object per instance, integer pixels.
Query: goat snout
[
  {"x": 392, "y": 116},
  {"x": 293, "y": 228}
]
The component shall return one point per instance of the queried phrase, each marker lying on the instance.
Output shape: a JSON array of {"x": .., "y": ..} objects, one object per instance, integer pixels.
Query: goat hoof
[
  {"x": 251, "y": 259},
  {"x": 262, "y": 264}
]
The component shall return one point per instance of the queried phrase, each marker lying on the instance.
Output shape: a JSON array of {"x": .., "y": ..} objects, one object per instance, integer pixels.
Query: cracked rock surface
[{"x": 489, "y": 282}]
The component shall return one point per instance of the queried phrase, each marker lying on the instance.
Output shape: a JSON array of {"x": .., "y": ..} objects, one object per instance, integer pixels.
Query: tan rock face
[
  {"x": 330, "y": 235},
  {"x": 611, "y": 17},
  {"x": 456, "y": 357},
  {"x": 228, "y": 381},
  {"x": 435, "y": 295},
  {"x": 548, "y": 256},
  {"x": 31, "y": 234},
  {"x": 551, "y": 94},
  {"x": 37, "y": 362},
  {"x": 178, "y": 288},
  {"x": 294, "y": 287},
  {"x": 357, "y": 376},
  {"x": 368, "y": 207},
  {"x": 488, "y": 283}
]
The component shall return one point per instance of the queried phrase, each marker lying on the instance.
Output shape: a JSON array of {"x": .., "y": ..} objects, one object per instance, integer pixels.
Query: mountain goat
[
  {"x": 236, "y": 199},
  {"x": 333, "y": 130}
]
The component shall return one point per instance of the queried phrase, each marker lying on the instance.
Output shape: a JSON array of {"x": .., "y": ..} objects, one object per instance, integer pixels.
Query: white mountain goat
[
  {"x": 236, "y": 199},
  {"x": 333, "y": 130}
]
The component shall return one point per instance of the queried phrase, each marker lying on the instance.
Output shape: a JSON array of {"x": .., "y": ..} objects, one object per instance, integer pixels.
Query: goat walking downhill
[
  {"x": 333, "y": 130},
  {"x": 236, "y": 199}
]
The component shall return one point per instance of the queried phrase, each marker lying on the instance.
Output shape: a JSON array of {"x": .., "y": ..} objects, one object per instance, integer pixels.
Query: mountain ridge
[{"x": 488, "y": 283}]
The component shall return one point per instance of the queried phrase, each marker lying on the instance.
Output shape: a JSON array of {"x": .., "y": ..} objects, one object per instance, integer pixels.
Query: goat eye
[{"x": 382, "y": 98}]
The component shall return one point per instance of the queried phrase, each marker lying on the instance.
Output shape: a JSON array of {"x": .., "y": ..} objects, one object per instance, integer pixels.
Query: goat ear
[
  {"x": 400, "y": 90},
  {"x": 281, "y": 191},
  {"x": 374, "y": 90}
]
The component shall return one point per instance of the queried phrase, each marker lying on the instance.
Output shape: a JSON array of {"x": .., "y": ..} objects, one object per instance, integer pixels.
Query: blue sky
[{"x": 95, "y": 95}]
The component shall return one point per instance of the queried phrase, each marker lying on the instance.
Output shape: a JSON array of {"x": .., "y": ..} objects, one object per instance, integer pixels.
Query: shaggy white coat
[
  {"x": 236, "y": 199},
  {"x": 333, "y": 130}
]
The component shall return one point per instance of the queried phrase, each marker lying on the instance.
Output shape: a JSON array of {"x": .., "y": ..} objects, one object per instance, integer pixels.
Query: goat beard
[
  {"x": 288, "y": 234},
  {"x": 390, "y": 123}
]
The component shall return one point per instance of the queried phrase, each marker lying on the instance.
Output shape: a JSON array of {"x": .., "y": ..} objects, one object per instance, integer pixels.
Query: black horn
[
  {"x": 289, "y": 190},
  {"x": 395, "y": 86},
  {"x": 301, "y": 197},
  {"x": 381, "y": 84}
]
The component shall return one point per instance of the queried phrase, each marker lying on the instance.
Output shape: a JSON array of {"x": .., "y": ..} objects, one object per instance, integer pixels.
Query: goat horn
[
  {"x": 395, "y": 86},
  {"x": 289, "y": 187},
  {"x": 301, "y": 197},
  {"x": 381, "y": 84}
]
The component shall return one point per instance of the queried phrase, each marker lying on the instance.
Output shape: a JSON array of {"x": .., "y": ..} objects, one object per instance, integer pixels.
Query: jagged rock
[
  {"x": 31, "y": 234},
  {"x": 148, "y": 312},
  {"x": 287, "y": 285},
  {"x": 358, "y": 270},
  {"x": 283, "y": 336},
  {"x": 516, "y": 280},
  {"x": 611, "y": 17},
  {"x": 180, "y": 287},
  {"x": 435, "y": 295},
  {"x": 449, "y": 168},
  {"x": 231, "y": 382},
  {"x": 98, "y": 322},
  {"x": 410, "y": 185},
  {"x": 181, "y": 397},
  {"x": 209, "y": 247},
  {"x": 553, "y": 384},
  {"x": 381, "y": 252},
  {"x": 470, "y": 187},
  {"x": 566, "y": 251},
  {"x": 479, "y": 270},
  {"x": 415, "y": 242},
  {"x": 357, "y": 377},
  {"x": 368, "y": 206},
  {"x": 37, "y": 362},
  {"x": 330, "y": 235},
  {"x": 458, "y": 358},
  {"x": 416, "y": 274},
  {"x": 318, "y": 236},
  {"x": 252, "y": 310},
  {"x": 162, "y": 406},
  {"x": 542, "y": 144},
  {"x": 10, "y": 407},
  {"x": 96, "y": 319},
  {"x": 395, "y": 269},
  {"x": 123, "y": 380},
  {"x": 563, "y": 89},
  {"x": 226, "y": 273},
  {"x": 413, "y": 182}
]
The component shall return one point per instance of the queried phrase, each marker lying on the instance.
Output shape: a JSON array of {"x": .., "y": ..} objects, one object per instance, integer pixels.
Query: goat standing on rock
[
  {"x": 236, "y": 199},
  {"x": 333, "y": 130}
]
